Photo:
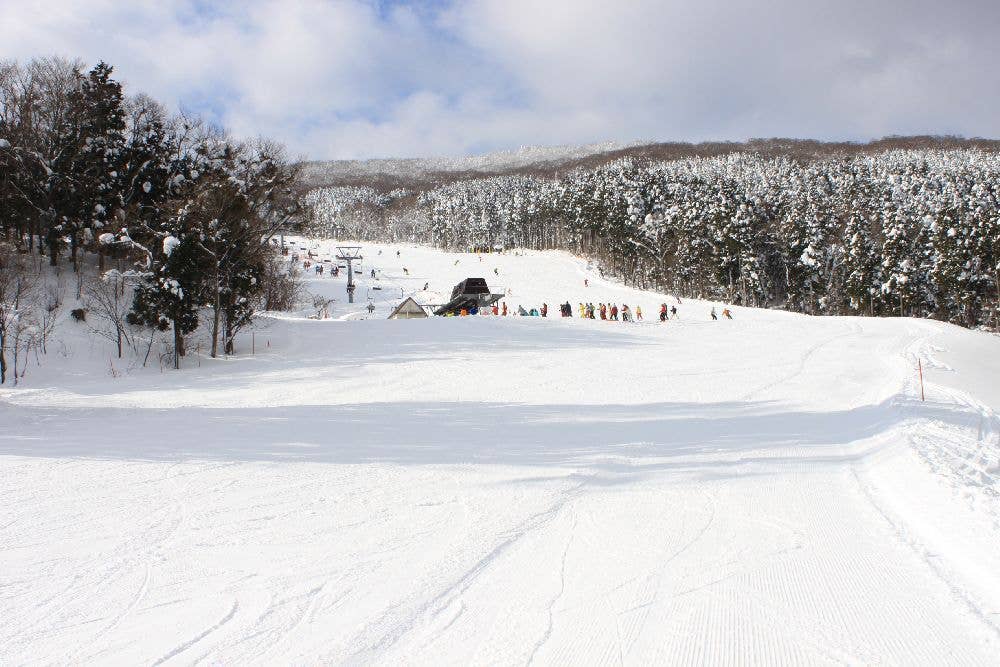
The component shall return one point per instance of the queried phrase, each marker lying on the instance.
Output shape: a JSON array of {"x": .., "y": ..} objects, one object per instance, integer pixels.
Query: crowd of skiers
[{"x": 603, "y": 311}]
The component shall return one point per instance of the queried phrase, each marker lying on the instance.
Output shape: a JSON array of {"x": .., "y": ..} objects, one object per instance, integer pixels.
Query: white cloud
[{"x": 351, "y": 78}]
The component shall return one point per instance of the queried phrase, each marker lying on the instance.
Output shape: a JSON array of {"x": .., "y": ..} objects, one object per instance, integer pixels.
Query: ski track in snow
[{"x": 511, "y": 491}]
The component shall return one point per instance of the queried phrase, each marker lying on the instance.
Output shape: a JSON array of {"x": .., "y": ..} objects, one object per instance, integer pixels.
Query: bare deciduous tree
[
  {"x": 19, "y": 327},
  {"x": 109, "y": 299}
]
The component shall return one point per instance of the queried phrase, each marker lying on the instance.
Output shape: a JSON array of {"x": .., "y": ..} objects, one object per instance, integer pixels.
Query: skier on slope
[
  {"x": 727, "y": 314},
  {"x": 373, "y": 273},
  {"x": 714, "y": 316},
  {"x": 545, "y": 309},
  {"x": 673, "y": 312},
  {"x": 604, "y": 311},
  {"x": 663, "y": 312},
  {"x": 614, "y": 312},
  {"x": 504, "y": 309},
  {"x": 626, "y": 313}
]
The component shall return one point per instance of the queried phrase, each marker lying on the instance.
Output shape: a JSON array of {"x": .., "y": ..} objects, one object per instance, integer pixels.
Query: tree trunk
[
  {"x": 178, "y": 345},
  {"x": 73, "y": 243},
  {"x": 53, "y": 240},
  {"x": 216, "y": 308},
  {"x": 996, "y": 311},
  {"x": 229, "y": 335}
]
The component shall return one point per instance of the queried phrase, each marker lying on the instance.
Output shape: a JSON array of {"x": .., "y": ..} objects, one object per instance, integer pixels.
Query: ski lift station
[{"x": 469, "y": 296}]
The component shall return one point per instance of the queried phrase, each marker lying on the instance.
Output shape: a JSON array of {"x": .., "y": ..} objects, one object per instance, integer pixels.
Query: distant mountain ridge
[
  {"x": 389, "y": 173},
  {"x": 411, "y": 171}
]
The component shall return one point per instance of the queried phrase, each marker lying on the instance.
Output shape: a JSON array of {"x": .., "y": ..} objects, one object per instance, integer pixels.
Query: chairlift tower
[{"x": 349, "y": 254}]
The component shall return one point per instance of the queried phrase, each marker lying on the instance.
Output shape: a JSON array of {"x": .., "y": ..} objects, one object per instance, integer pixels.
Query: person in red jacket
[{"x": 545, "y": 309}]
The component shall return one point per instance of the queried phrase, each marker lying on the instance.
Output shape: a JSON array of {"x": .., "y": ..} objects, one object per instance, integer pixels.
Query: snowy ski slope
[{"x": 488, "y": 490}]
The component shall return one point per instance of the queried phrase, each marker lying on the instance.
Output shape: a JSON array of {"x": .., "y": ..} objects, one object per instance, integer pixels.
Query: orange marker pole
[{"x": 920, "y": 368}]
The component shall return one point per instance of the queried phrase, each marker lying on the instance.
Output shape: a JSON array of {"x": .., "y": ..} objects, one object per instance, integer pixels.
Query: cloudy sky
[{"x": 377, "y": 78}]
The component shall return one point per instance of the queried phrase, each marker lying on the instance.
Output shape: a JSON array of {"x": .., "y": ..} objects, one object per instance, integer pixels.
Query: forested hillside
[
  {"x": 827, "y": 230},
  {"x": 164, "y": 219}
]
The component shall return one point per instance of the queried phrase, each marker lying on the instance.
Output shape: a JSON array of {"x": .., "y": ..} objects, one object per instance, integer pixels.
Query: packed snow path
[{"x": 489, "y": 490}]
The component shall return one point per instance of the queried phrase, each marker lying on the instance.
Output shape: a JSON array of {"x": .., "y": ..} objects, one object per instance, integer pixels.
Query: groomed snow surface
[{"x": 487, "y": 490}]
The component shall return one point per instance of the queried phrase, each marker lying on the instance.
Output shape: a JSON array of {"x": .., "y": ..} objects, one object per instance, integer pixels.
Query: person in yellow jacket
[
  {"x": 638, "y": 313},
  {"x": 583, "y": 310}
]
